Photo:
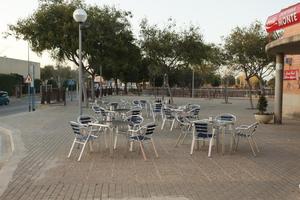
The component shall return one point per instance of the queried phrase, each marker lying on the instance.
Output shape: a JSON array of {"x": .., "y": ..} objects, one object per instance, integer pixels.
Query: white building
[{"x": 16, "y": 66}]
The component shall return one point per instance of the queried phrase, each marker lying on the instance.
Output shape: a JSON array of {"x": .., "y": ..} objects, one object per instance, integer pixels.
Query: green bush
[
  {"x": 262, "y": 104},
  {"x": 9, "y": 81}
]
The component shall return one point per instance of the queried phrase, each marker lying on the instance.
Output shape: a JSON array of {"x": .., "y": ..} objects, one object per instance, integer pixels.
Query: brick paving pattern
[{"x": 45, "y": 173}]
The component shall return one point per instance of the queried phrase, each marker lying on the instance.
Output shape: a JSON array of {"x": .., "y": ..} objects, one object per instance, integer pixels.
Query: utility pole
[{"x": 28, "y": 66}]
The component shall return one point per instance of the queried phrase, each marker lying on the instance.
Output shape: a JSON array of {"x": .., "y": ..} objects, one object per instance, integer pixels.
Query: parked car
[{"x": 4, "y": 98}]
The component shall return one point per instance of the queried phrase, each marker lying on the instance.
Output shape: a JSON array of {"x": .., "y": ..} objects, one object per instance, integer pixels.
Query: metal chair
[
  {"x": 247, "y": 132},
  {"x": 226, "y": 117},
  {"x": 143, "y": 135},
  {"x": 82, "y": 136},
  {"x": 193, "y": 114},
  {"x": 156, "y": 110},
  {"x": 185, "y": 128},
  {"x": 203, "y": 131},
  {"x": 167, "y": 115}
]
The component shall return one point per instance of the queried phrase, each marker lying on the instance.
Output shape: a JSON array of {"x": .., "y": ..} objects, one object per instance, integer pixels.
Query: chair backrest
[
  {"x": 76, "y": 127},
  {"x": 193, "y": 106},
  {"x": 226, "y": 117},
  {"x": 114, "y": 105},
  {"x": 252, "y": 128},
  {"x": 149, "y": 129},
  {"x": 96, "y": 108},
  {"x": 195, "y": 111},
  {"x": 85, "y": 119},
  {"x": 201, "y": 129},
  {"x": 157, "y": 107},
  {"x": 167, "y": 112},
  {"x": 136, "y": 103},
  {"x": 135, "y": 111},
  {"x": 135, "y": 120}
]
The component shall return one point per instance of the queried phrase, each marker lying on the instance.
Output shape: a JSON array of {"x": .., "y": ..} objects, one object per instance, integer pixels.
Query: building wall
[
  {"x": 11, "y": 65},
  {"x": 291, "y": 88}
]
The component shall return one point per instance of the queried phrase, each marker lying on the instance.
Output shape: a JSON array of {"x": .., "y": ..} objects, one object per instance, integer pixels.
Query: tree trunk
[
  {"x": 85, "y": 96},
  {"x": 116, "y": 85},
  {"x": 250, "y": 93},
  {"x": 92, "y": 88},
  {"x": 125, "y": 88},
  {"x": 262, "y": 86}
]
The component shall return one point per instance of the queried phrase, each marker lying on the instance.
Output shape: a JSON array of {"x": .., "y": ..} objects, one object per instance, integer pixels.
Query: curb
[{"x": 16, "y": 153}]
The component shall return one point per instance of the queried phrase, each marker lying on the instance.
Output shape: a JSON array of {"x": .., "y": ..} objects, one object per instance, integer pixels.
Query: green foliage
[
  {"x": 53, "y": 83},
  {"x": 37, "y": 84},
  {"x": 262, "y": 104},
  {"x": 106, "y": 37},
  {"x": 58, "y": 73},
  {"x": 176, "y": 53},
  {"x": 245, "y": 50},
  {"x": 9, "y": 81},
  {"x": 215, "y": 80}
]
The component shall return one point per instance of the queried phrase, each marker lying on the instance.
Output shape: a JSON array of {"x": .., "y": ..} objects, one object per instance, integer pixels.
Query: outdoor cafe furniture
[
  {"x": 193, "y": 113},
  {"x": 185, "y": 128},
  {"x": 102, "y": 113},
  {"x": 226, "y": 123},
  {"x": 112, "y": 126},
  {"x": 82, "y": 136},
  {"x": 143, "y": 135},
  {"x": 247, "y": 132},
  {"x": 203, "y": 131},
  {"x": 156, "y": 110},
  {"x": 168, "y": 115}
]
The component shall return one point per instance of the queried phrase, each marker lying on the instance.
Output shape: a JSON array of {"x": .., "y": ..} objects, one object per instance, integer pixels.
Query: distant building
[{"x": 16, "y": 66}]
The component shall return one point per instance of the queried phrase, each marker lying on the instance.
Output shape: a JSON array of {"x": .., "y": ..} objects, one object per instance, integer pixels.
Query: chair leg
[
  {"x": 81, "y": 151},
  {"x": 184, "y": 138},
  {"x": 172, "y": 125},
  {"x": 116, "y": 138},
  {"x": 249, "y": 140},
  {"x": 71, "y": 148},
  {"x": 91, "y": 146},
  {"x": 163, "y": 124},
  {"x": 192, "y": 146},
  {"x": 131, "y": 146},
  {"x": 142, "y": 149},
  {"x": 115, "y": 142},
  {"x": 237, "y": 143},
  {"x": 211, "y": 143},
  {"x": 105, "y": 141},
  {"x": 154, "y": 148},
  {"x": 253, "y": 140},
  {"x": 178, "y": 139}
]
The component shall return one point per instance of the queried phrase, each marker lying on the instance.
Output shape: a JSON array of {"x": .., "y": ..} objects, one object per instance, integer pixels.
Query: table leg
[
  {"x": 223, "y": 140},
  {"x": 217, "y": 139},
  {"x": 111, "y": 141},
  {"x": 232, "y": 140}
]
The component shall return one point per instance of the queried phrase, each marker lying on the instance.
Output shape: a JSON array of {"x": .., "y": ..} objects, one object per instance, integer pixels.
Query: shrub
[{"x": 262, "y": 104}]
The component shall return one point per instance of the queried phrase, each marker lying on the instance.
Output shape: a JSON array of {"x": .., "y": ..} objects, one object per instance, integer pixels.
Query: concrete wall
[
  {"x": 291, "y": 88},
  {"x": 11, "y": 65}
]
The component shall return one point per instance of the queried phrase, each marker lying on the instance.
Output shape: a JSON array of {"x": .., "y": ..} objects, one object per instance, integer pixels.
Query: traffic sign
[{"x": 28, "y": 79}]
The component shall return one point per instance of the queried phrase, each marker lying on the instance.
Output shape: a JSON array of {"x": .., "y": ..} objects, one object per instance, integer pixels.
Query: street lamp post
[{"x": 80, "y": 16}]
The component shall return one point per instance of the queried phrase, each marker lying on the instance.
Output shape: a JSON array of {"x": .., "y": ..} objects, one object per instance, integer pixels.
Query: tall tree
[
  {"x": 245, "y": 48},
  {"x": 168, "y": 49},
  {"x": 52, "y": 28}
]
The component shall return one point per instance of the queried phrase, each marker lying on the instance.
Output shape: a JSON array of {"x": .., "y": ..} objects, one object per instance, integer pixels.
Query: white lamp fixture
[{"x": 79, "y": 15}]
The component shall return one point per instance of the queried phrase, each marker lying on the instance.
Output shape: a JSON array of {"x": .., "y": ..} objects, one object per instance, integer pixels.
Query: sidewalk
[{"x": 43, "y": 171}]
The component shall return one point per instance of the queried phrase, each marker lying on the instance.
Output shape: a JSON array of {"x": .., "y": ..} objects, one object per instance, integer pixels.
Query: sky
[{"x": 216, "y": 18}]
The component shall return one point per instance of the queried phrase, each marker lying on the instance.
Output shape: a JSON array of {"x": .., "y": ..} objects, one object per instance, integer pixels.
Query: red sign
[
  {"x": 286, "y": 17},
  {"x": 291, "y": 74}
]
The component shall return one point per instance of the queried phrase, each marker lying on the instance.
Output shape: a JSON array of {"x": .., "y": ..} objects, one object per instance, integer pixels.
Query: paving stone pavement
[{"x": 44, "y": 172}]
